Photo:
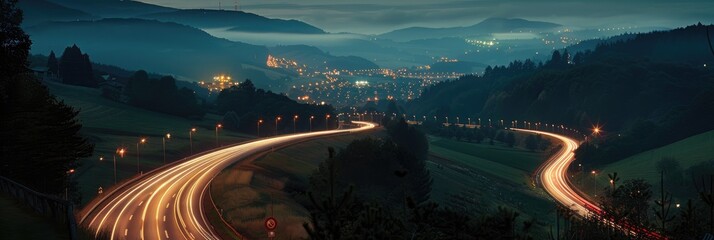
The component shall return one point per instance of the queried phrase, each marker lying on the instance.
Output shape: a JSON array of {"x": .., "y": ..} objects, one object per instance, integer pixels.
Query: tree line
[
  {"x": 244, "y": 105},
  {"x": 42, "y": 143},
  {"x": 649, "y": 90}
]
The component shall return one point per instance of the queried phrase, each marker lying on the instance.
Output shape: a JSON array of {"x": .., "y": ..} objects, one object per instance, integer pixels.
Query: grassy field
[
  {"x": 477, "y": 178},
  {"x": 467, "y": 177},
  {"x": 248, "y": 191},
  {"x": 688, "y": 152},
  {"x": 19, "y": 222},
  {"x": 110, "y": 125},
  {"x": 511, "y": 164}
]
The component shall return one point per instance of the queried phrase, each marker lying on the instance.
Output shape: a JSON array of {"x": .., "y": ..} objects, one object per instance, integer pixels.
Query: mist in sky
[{"x": 373, "y": 17}]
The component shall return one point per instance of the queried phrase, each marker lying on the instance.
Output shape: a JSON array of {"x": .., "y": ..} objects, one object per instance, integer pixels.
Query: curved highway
[
  {"x": 167, "y": 203},
  {"x": 553, "y": 176}
]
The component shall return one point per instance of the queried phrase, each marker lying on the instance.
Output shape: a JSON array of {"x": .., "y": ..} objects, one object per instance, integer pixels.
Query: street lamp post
[
  {"x": 190, "y": 138},
  {"x": 259, "y": 122},
  {"x": 447, "y": 120},
  {"x": 327, "y": 117},
  {"x": 163, "y": 141},
  {"x": 457, "y": 121},
  {"x": 311, "y": 117},
  {"x": 218, "y": 126},
  {"x": 469, "y": 121},
  {"x": 295, "y": 123},
  {"x": 277, "y": 119},
  {"x": 479, "y": 122},
  {"x": 66, "y": 188},
  {"x": 121, "y": 152},
  {"x": 142, "y": 141}
]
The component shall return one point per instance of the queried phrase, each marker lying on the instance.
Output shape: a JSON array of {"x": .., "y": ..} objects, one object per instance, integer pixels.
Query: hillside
[
  {"x": 165, "y": 48},
  {"x": 316, "y": 58},
  {"x": 488, "y": 26},
  {"x": 689, "y": 152},
  {"x": 113, "y": 8},
  {"x": 40, "y": 11},
  {"x": 645, "y": 78},
  {"x": 646, "y": 92},
  {"x": 234, "y": 21}
]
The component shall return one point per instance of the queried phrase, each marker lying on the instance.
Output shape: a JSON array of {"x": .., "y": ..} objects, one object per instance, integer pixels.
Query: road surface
[
  {"x": 554, "y": 172},
  {"x": 553, "y": 176},
  {"x": 167, "y": 203}
]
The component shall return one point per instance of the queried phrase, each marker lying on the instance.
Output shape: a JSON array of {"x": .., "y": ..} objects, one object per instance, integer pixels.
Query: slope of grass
[
  {"x": 512, "y": 164},
  {"x": 477, "y": 178},
  {"x": 688, "y": 152},
  {"x": 19, "y": 222},
  {"x": 110, "y": 125}
]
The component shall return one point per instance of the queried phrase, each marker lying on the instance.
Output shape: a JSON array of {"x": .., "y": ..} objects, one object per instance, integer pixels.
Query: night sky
[{"x": 378, "y": 16}]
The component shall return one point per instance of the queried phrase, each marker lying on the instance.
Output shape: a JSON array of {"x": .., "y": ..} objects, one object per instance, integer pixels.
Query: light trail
[
  {"x": 553, "y": 175},
  {"x": 187, "y": 183}
]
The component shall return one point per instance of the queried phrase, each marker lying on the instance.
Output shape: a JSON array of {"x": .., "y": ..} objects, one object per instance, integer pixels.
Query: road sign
[{"x": 271, "y": 224}]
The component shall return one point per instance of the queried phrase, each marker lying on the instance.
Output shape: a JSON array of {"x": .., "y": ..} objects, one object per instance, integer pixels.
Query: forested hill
[{"x": 659, "y": 77}]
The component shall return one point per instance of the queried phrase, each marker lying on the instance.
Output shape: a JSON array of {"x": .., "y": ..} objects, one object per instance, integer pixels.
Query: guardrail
[{"x": 52, "y": 207}]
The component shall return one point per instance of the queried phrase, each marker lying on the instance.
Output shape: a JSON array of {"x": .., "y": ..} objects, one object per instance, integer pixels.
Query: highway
[
  {"x": 167, "y": 203},
  {"x": 553, "y": 174}
]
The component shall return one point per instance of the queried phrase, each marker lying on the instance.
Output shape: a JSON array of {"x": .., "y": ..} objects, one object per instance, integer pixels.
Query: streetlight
[
  {"x": 469, "y": 121},
  {"x": 327, "y": 127},
  {"x": 479, "y": 122},
  {"x": 447, "y": 120},
  {"x": 218, "y": 126},
  {"x": 66, "y": 188},
  {"x": 295, "y": 123},
  {"x": 163, "y": 142},
  {"x": 277, "y": 119},
  {"x": 142, "y": 141},
  {"x": 190, "y": 138},
  {"x": 121, "y": 152},
  {"x": 259, "y": 122},
  {"x": 457, "y": 121},
  {"x": 311, "y": 117}
]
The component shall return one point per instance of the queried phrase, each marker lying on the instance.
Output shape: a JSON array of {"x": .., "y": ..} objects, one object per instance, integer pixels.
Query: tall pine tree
[
  {"x": 41, "y": 140},
  {"x": 75, "y": 68},
  {"x": 52, "y": 63}
]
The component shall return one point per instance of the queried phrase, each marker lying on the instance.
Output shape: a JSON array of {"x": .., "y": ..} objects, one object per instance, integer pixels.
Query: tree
[
  {"x": 14, "y": 43},
  {"x": 52, "y": 64},
  {"x": 75, "y": 68},
  {"x": 531, "y": 142},
  {"x": 510, "y": 139},
  {"x": 478, "y": 135},
  {"x": 231, "y": 121},
  {"x": 41, "y": 139}
]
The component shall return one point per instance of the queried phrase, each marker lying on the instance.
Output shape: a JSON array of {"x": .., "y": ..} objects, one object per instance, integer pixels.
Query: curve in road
[
  {"x": 167, "y": 203},
  {"x": 553, "y": 175}
]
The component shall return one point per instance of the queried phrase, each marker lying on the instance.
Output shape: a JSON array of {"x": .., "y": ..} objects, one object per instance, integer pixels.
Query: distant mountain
[
  {"x": 113, "y": 8},
  {"x": 166, "y": 48},
  {"x": 39, "y": 11},
  {"x": 488, "y": 26},
  {"x": 315, "y": 57},
  {"x": 234, "y": 20}
]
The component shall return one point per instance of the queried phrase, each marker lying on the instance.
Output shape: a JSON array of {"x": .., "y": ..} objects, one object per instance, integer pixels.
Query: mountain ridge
[
  {"x": 234, "y": 21},
  {"x": 487, "y": 26}
]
